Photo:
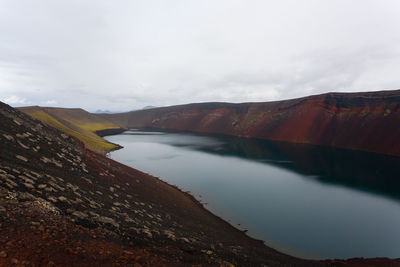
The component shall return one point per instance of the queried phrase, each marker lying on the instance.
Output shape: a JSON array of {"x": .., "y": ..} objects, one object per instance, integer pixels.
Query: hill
[
  {"x": 359, "y": 121},
  {"x": 76, "y": 122}
]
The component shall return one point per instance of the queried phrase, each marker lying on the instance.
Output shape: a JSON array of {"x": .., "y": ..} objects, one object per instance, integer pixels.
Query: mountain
[
  {"x": 77, "y": 122},
  {"x": 102, "y": 111},
  {"x": 359, "y": 121},
  {"x": 149, "y": 107}
]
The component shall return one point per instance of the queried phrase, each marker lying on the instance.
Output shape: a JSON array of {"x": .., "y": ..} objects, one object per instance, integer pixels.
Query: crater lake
[{"x": 306, "y": 201}]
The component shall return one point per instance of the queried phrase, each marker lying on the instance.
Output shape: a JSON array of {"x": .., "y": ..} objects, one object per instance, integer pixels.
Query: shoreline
[
  {"x": 223, "y": 224},
  {"x": 107, "y": 132},
  {"x": 263, "y": 242}
]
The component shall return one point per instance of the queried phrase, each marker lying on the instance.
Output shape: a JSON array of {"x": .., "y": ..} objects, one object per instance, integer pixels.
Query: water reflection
[
  {"x": 370, "y": 172},
  {"x": 284, "y": 194}
]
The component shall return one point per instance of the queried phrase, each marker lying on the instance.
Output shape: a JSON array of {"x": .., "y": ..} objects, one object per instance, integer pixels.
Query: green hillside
[{"x": 76, "y": 122}]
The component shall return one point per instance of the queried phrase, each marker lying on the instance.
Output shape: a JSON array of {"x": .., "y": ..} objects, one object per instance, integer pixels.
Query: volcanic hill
[{"x": 359, "y": 121}]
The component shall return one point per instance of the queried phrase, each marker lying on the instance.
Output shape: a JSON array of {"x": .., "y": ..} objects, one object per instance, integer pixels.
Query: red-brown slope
[{"x": 361, "y": 121}]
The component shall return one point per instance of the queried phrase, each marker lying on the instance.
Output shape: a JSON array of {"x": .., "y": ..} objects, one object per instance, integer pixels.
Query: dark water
[{"x": 304, "y": 200}]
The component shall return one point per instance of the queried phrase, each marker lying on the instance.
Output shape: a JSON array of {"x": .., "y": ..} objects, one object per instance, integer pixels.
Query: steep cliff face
[{"x": 361, "y": 121}]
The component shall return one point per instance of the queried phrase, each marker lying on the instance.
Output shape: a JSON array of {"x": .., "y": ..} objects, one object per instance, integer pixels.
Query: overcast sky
[{"x": 123, "y": 55}]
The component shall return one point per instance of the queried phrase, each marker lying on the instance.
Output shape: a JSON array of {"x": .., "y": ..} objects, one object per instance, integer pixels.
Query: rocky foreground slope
[
  {"x": 360, "y": 121},
  {"x": 64, "y": 205}
]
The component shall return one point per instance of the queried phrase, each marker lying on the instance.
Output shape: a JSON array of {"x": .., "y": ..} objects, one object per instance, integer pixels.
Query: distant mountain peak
[
  {"x": 102, "y": 111},
  {"x": 149, "y": 107}
]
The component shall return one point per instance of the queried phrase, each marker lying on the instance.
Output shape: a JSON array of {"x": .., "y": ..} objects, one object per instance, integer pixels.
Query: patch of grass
[{"x": 82, "y": 128}]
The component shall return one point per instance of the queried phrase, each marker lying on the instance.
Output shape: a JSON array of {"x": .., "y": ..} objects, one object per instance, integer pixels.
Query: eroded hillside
[{"x": 360, "y": 121}]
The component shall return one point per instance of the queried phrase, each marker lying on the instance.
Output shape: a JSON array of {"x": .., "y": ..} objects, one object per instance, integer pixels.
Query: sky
[{"x": 126, "y": 54}]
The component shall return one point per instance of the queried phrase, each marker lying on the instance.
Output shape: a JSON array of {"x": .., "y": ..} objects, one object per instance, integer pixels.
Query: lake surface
[{"x": 308, "y": 201}]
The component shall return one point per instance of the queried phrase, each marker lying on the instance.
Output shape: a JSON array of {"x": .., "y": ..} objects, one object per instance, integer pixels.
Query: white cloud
[
  {"x": 14, "y": 100},
  {"x": 50, "y": 102},
  {"x": 97, "y": 55}
]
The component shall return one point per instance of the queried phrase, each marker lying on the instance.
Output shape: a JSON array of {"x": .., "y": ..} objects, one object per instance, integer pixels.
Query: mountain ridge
[{"x": 365, "y": 121}]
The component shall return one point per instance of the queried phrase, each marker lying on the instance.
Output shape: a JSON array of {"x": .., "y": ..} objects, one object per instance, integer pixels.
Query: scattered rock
[
  {"x": 185, "y": 239},
  {"x": 80, "y": 215},
  {"x": 62, "y": 198},
  {"x": 147, "y": 232},
  {"x": 28, "y": 185},
  {"x": 128, "y": 252},
  {"x": 22, "y": 145},
  {"x": 21, "y": 158},
  {"x": 8, "y": 137},
  {"x": 108, "y": 220},
  {"x": 169, "y": 234}
]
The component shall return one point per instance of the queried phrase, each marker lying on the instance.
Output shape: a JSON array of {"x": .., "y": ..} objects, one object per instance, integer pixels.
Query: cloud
[
  {"x": 14, "y": 100},
  {"x": 50, "y": 102},
  {"x": 98, "y": 55}
]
